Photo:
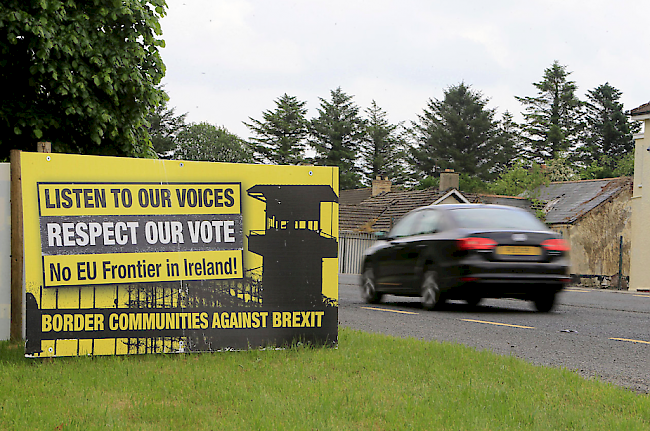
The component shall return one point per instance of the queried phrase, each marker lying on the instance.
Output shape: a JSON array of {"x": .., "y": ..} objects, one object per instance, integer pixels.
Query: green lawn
[{"x": 370, "y": 382}]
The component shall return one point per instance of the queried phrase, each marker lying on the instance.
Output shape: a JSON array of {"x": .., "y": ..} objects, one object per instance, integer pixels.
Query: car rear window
[{"x": 496, "y": 218}]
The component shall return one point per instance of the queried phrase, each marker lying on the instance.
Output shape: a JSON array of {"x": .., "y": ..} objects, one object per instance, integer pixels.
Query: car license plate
[{"x": 518, "y": 250}]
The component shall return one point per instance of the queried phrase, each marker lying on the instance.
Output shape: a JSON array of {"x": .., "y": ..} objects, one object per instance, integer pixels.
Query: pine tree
[
  {"x": 164, "y": 126},
  {"x": 383, "y": 151},
  {"x": 336, "y": 136},
  {"x": 280, "y": 136},
  {"x": 610, "y": 133},
  {"x": 458, "y": 132},
  {"x": 553, "y": 119},
  {"x": 508, "y": 144}
]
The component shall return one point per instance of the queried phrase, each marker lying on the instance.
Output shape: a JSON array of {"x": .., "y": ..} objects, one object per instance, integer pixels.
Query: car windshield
[{"x": 495, "y": 218}]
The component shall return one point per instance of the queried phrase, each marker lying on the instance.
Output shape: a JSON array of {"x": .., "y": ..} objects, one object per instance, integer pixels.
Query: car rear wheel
[
  {"x": 368, "y": 290},
  {"x": 544, "y": 302},
  {"x": 430, "y": 291}
]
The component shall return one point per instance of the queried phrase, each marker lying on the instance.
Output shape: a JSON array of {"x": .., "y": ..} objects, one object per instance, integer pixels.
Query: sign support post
[{"x": 17, "y": 256}]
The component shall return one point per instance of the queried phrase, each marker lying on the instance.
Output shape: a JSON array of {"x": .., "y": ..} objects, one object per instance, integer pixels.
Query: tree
[
  {"x": 336, "y": 135},
  {"x": 625, "y": 166},
  {"x": 427, "y": 182},
  {"x": 383, "y": 150},
  {"x": 553, "y": 119},
  {"x": 521, "y": 178},
  {"x": 609, "y": 167},
  {"x": 206, "y": 142},
  {"x": 280, "y": 136},
  {"x": 508, "y": 145},
  {"x": 610, "y": 133},
  {"x": 559, "y": 169},
  {"x": 458, "y": 133},
  {"x": 164, "y": 126},
  {"x": 469, "y": 184},
  {"x": 80, "y": 74}
]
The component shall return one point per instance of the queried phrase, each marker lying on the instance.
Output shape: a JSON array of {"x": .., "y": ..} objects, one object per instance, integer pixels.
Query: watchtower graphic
[{"x": 293, "y": 244}]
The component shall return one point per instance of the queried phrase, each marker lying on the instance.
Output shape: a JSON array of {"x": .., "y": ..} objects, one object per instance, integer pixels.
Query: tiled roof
[
  {"x": 513, "y": 201},
  {"x": 643, "y": 109},
  {"x": 358, "y": 218},
  {"x": 396, "y": 204},
  {"x": 379, "y": 213},
  {"x": 354, "y": 196},
  {"x": 567, "y": 202}
]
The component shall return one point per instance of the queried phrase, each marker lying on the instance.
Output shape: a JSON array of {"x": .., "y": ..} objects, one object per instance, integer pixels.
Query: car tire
[
  {"x": 430, "y": 291},
  {"x": 544, "y": 302},
  {"x": 368, "y": 289}
]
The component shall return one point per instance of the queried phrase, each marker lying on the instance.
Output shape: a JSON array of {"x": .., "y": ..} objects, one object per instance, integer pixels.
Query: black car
[{"x": 468, "y": 252}]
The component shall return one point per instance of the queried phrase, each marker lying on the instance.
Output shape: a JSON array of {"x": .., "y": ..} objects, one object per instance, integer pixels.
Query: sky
[{"x": 229, "y": 60}]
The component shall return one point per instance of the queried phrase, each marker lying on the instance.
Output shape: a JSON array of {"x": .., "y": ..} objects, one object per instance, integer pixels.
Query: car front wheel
[
  {"x": 544, "y": 302},
  {"x": 430, "y": 291},
  {"x": 368, "y": 290}
]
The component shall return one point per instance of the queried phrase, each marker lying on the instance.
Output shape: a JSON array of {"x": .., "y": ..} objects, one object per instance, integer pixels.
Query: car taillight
[
  {"x": 476, "y": 243},
  {"x": 556, "y": 245}
]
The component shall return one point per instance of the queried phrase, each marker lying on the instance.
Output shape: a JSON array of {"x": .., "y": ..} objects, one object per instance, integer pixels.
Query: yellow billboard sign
[{"x": 132, "y": 256}]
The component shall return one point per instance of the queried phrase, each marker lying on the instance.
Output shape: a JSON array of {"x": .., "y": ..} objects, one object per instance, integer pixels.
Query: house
[
  {"x": 512, "y": 201},
  {"x": 377, "y": 208},
  {"x": 356, "y": 196},
  {"x": 363, "y": 210},
  {"x": 593, "y": 215},
  {"x": 640, "y": 245}
]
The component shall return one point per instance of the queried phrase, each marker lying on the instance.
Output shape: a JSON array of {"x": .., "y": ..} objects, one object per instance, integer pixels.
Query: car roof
[{"x": 457, "y": 206}]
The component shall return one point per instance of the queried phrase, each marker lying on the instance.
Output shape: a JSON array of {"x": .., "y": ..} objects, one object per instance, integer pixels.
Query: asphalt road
[{"x": 596, "y": 333}]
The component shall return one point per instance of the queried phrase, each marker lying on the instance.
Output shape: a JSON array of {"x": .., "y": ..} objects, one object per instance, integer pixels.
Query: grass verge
[{"x": 370, "y": 382}]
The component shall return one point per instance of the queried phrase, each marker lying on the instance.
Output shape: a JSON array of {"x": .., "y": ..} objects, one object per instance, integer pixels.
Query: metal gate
[{"x": 351, "y": 248}]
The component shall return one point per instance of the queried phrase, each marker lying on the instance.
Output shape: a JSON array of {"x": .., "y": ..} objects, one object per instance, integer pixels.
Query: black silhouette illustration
[{"x": 293, "y": 244}]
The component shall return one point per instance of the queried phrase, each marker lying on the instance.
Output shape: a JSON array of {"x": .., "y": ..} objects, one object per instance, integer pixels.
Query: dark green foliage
[
  {"x": 597, "y": 170},
  {"x": 383, "y": 151},
  {"x": 337, "y": 135},
  {"x": 427, "y": 182},
  {"x": 608, "y": 167},
  {"x": 625, "y": 165},
  {"x": 468, "y": 184},
  {"x": 280, "y": 136},
  {"x": 206, "y": 142},
  {"x": 609, "y": 133},
  {"x": 164, "y": 126},
  {"x": 80, "y": 74},
  {"x": 457, "y": 133},
  {"x": 508, "y": 144},
  {"x": 553, "y": 119},
  {"x": 522, "y": 177}
]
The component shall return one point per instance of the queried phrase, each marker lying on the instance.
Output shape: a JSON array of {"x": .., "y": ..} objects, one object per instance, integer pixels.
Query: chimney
[
  {"x": 449, "y": 180},
  {"x": 380, "y": 186}
]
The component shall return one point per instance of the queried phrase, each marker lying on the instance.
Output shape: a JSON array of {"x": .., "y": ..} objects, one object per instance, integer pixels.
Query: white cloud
[{"x": 227, "y": 60}]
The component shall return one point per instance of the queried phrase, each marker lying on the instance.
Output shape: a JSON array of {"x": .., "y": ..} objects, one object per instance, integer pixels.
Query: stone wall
[{"x": 595, "y": 238}]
